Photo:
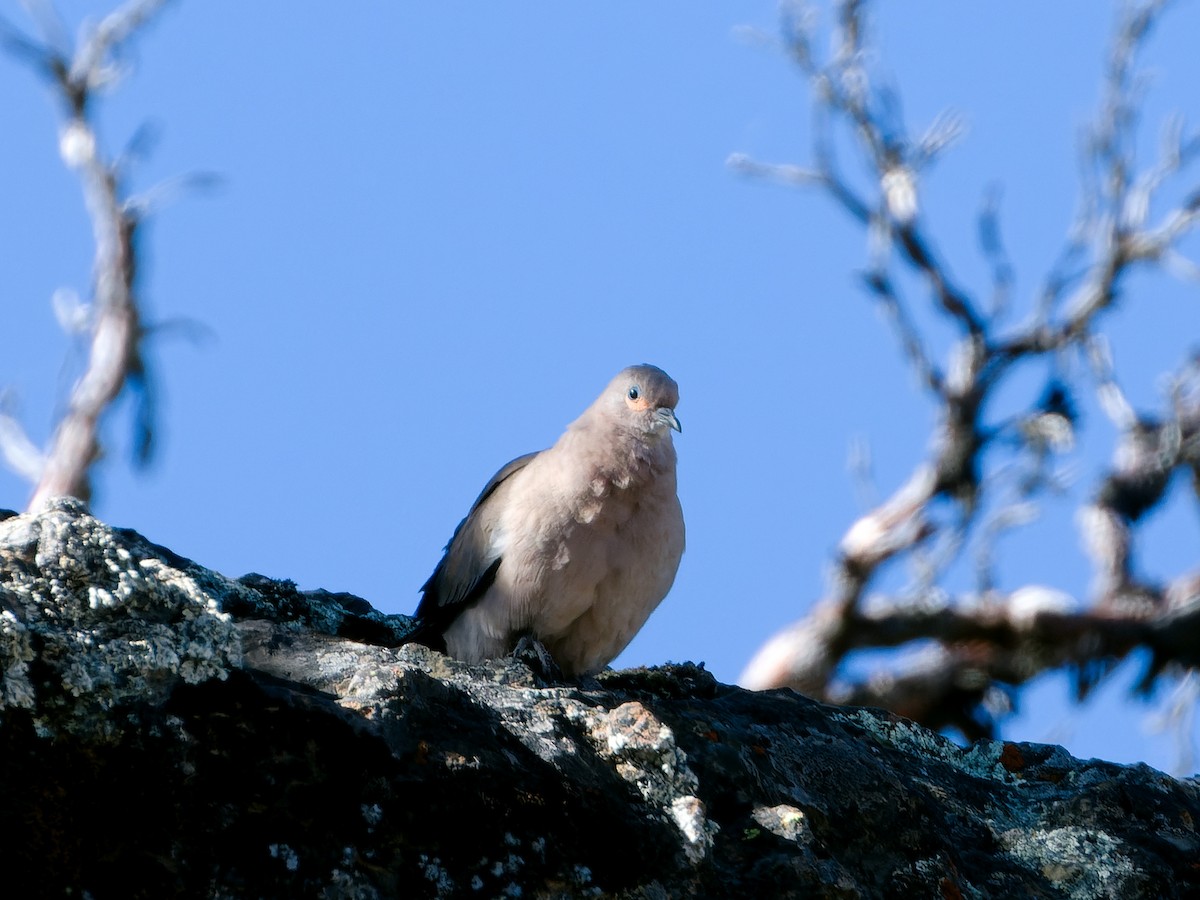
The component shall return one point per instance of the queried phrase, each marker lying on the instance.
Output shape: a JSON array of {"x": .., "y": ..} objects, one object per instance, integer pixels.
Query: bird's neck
[{"x": 631, "y": 459}]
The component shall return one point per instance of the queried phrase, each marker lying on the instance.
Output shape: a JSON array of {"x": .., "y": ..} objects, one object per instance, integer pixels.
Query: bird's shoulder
[
  {"x": 468, "y": 565},
  {"x": 507, "y": 471}
]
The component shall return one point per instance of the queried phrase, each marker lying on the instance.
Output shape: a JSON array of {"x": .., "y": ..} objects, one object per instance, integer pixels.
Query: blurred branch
[
  {"x": 115, "y": 361},
  {"x": 20, "y": 454},
  {"x": 979, "y": 646},
  {"x": 842, "y": 92},
  {"x": 993, "y": 250},
  {"x": 1179, "y": 718},
  {"x": 1001, "y": 640}
]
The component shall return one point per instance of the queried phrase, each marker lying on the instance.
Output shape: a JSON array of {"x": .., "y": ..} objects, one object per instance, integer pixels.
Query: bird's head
[{"x": 644, "y": 397}]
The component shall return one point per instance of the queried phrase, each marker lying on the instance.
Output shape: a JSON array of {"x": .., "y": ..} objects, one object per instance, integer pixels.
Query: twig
[
  {"x": 983, "y": 645},
  {"x": 115, "y": 360}
]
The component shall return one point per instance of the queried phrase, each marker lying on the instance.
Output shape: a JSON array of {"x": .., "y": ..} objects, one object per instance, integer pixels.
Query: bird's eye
[{"x": 634, "y": 392}]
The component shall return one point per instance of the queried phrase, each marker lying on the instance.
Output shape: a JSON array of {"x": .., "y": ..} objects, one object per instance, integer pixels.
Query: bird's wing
[{"x": 469, "y": 565}]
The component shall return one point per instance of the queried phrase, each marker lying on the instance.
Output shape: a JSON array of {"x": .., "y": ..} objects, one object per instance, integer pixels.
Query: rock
[{"x": 167, "y": 731}]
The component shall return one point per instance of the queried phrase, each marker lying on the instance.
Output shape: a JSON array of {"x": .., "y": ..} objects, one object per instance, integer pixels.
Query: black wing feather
[{"x": 465, "y": 572}]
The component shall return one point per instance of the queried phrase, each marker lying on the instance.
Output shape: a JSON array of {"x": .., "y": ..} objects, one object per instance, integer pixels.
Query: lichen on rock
[
  {"x": 165, "y": 731},
  {"x": 118, "y": 624}
]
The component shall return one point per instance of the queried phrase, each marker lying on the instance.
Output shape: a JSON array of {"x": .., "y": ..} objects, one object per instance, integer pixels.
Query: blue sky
[{"x": 443, "y": 227}]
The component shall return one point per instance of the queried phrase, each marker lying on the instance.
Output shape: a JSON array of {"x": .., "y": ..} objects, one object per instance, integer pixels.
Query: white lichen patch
[
  {"x": 1090, "y": 861},
  {"x": 981, "y": 759},
  {"x": 348, "y": 885},
  {"x": 433, "y": 870},
  {"x": 632, "y": 727},
  {"x": 644, "y": 753},
  {"x": 16, "y": 652},
  {"x": 372, "y": 813},
  {"x": 533, "y": 715},
  {"x": 698, "y": 831},
  {"x": 286, "y": 854},
  {"x": 784, "y": 821},
  {"x": 116, "y": 622},
  {"x": 98, "y": 597}
]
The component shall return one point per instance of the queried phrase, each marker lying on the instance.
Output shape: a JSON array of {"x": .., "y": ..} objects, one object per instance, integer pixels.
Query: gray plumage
[{"x": 574, "y": 546}]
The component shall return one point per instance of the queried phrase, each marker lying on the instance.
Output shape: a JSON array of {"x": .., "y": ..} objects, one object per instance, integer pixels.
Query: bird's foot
[{"x": 534, "y": 654}]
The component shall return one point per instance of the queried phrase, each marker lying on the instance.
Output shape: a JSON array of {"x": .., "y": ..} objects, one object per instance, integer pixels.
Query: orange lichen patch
[
  {"x": 1012, "y": 758},
  {"x": 950, "y": 890}
]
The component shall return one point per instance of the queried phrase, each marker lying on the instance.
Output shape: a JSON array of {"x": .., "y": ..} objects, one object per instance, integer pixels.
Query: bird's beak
[{"x": 669, "y": 418}]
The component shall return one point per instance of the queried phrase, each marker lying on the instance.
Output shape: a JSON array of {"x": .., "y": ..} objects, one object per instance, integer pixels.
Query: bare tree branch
[
  {"x": 978, "y": 647},
  {"x": 993, "y": 251},
  {"x": 115, "y": 361},
  {"x": 1001, "y": 640}
]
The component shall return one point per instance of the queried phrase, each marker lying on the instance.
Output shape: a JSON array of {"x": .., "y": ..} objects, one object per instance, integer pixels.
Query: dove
[{"x": 572, "y": 547}]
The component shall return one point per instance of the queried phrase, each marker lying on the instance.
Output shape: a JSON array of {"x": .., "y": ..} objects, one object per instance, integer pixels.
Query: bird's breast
[{"x": 579, "y": 534}]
